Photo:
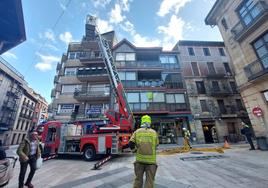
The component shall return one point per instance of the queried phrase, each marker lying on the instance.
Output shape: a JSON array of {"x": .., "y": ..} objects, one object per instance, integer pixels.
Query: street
[{"x": 237, "y": 167}]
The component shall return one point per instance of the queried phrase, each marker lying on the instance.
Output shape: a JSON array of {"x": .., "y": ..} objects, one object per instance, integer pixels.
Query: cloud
[
  {"x": 46, "y": 62},
  {"x": 174, "y": 30},
  {"x": 116, "y": 14},
  {"x": 101, "y": 3},
  {"x": 171, "y": 5},
  {"x": 125, "y": 4},
  {"x": 66, "y": 37},
  {"x": 141, "y": 41},
  {"x": 48, "y": 34},
  {"x": 10, "y": 55},
  {"x": 52, "y": 47},
  {"x": 128, "y": 27},
  {"x": 104, "y": 26}
]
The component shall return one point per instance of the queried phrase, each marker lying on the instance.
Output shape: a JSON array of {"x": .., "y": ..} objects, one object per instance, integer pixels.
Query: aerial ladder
[{"x": 123, "y": 121}]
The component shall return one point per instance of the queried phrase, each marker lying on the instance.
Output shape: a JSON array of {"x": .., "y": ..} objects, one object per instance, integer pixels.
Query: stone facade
[
  {"x": 244, "y": 28},
  {"x": 214, "y": 100}
]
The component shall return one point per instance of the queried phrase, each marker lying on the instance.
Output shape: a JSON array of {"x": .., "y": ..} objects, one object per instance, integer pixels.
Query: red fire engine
[{"x": 110, "y": 138}]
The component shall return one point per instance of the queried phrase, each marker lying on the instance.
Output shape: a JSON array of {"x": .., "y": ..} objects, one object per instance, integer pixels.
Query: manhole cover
[
  {"x": 196, "y": 152},
  {"x": 202, "y": 158}
]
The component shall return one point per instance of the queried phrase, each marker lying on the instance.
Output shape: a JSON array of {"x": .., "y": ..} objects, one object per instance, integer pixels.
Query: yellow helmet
[{"x": 146, "y": 119}]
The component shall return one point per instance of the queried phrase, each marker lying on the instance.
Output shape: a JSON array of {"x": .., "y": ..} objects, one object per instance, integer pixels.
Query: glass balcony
[
  {"x": 259, "y": 13},
  {"x": 158, "y": 107},
  {"x": 92, "y": 94},
  {"x": 90, "y": 74},
  {"x": 257, "y": 69}
]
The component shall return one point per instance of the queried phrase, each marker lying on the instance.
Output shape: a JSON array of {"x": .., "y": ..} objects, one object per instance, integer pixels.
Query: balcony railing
[
  {"x": 216, "y": 75},
  {"x": 240, "y": 30},
  {"x": 93, "y": 94},
  {"x": 220, "y": 92},
  {"x": 158, "y": 107},
  {"x": 56, "y": 79},
  {"x": 58, "y": 66},
  {"x": 256, "y": 69},
  {"x": 153, "y": 83}
]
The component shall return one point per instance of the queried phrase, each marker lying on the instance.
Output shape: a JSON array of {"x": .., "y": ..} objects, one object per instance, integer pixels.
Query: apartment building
[
  {"x": 215, "y": 103},
  {"x": 82, "y": 86},
  {"x": 11, "y": 91},
  {"x": 25, "y": 114},
  {"x": 154, "y": 85},
  {"x": 244, "y": 28},
  {"x": 41, "y": 110}
]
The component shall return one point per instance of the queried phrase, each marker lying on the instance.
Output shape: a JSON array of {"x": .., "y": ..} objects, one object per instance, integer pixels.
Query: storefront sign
[
  {"x": 93, "y": 111},
  {"x": 257, "y": 111}
]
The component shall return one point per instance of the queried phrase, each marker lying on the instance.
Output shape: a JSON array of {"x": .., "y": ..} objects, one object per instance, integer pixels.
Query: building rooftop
[{"x": 199, "y": 43}]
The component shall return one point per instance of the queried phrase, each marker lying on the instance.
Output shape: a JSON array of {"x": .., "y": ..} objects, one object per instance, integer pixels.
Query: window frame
[
  {"x": 193, "y": 69},
  {"x": 189, "y": 51},
  {"x": 204, "y": 51},
  {"x": 204, "y": 108},
  {"x": 221, "y": 51},
  {"x": 261, "y": 37}
]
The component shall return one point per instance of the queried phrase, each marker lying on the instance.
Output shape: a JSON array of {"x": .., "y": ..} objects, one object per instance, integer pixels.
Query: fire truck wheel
[{"x": 89, "y": 153}]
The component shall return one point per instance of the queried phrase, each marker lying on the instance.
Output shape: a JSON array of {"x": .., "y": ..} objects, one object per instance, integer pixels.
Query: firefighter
[
  {"x": 187, "y": 136},
  {"x": 144, "y": 142},
  {"x": 248, "y": 133}
]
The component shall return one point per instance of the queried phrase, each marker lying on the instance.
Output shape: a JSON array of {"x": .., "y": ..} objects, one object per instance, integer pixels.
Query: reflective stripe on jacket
[{"x": 146, "y": 140}]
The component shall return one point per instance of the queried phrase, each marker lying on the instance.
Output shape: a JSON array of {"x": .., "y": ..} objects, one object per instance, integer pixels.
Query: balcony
[
  {"x": 139, "y": 64},
  {"x": 53, "y": 93},
  {"x": 98, "y": 74},
  {"x": 241, "y": 30},
  {"x": 56, "y": 79},
  {"x": 90, "y": 94},
  {"x": 158, "y": 107},
  {"x": 13, "y": 93},
  {"x": 214, "y": 92},
  {"x": 256, "y": 69},
  {"x": 216, "y": 76},
  {"x": 58, "y": 66},
  {"x": 153, "y": 84}
]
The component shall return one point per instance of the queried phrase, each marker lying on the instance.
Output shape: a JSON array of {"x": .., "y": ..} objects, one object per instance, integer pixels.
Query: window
[
  {"x": 206, "y": 51},
  {"x": 200, "y": 87},
  {"x": 215, "y": 86},
  {"x": 239, "y": 104},
  {"x": 179, "y": 98},
  {"x": 71, "y": 55},
  {"x": 261, "y": 48},
  {"x": 227, "y": 69},
  {"x": 211, "y": 68},
  {"x": 224, "y": 24},
  {"x": 133, "y": 97},
  {"x": 191, "y": 51},
  {"x": 70, "y": 71},
  {"x": 171, "y": 59},
  {"x": 127, "y": 75},
  {"x": 265, "y": 93},
  {"x": 70, "y": 88},
  {"x": 204, "y": 106},
  {"x": 221, "y": 51},
  {"x": 233, "y": 87},
  {"x": 175, "y": 98},
  {"x": 125, "y": 57},
  {"x": 248, "y": 11},
  {"x": 221, "y": 106},
  {"x": 195, "y": 69},
  {"x": 18, "y": 124}
]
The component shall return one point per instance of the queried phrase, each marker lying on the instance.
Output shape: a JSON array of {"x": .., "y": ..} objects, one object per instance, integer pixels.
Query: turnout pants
[{"x": 150, "y": 171}]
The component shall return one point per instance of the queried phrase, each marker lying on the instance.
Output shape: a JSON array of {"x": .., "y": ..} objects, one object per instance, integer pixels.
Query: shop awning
[{"x": 12, "y": 29}]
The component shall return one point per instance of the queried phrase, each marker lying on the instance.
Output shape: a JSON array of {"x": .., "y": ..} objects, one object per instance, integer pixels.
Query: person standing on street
[
  {"x": 29, "y": 152},
  {"x": 187, "y": 137},
  {"x": 144, "y": 142},
  {"x": 248, "y": 133}
]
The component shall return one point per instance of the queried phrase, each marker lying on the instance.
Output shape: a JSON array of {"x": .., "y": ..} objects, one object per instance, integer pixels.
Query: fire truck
[{"x": 108, "y": 137}]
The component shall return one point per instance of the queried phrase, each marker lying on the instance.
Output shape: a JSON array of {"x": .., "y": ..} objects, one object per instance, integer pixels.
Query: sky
[{"x": 51, "y": 24}]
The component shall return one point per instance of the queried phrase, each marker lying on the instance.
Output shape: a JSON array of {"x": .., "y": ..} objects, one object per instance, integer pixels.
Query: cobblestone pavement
[{"x": 237, "y": 167}]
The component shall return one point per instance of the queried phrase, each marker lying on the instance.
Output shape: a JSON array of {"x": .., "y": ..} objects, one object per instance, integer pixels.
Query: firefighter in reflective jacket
[
  {"x": 187, "y": 136},
  {"x": 144, "y": 142}
]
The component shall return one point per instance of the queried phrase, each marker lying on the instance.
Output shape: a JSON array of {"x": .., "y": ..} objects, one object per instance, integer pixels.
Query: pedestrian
[
  {"x": 144, "y": 142},
  {"x": 187, "y": 136},
  {"x": 246, "y": 130},
  {"x": 29, "y": 152}
]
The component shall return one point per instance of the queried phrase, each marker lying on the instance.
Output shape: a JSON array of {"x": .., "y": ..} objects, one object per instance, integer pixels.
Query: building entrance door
[
  {"x": 208, "y": 132},
  {"x": 167, "y": 133}
]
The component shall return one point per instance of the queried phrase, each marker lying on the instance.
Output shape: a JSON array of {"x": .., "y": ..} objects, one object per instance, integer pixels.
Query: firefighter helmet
[{"x": 146, "y": 119}]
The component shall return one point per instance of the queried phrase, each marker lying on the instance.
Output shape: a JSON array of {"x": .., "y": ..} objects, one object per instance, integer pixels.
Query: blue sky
[{"x": 143, "y": 22}]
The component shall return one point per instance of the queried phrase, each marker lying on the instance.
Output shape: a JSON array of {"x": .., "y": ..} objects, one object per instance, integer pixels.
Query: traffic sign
[{"x": 257, "y": 111}]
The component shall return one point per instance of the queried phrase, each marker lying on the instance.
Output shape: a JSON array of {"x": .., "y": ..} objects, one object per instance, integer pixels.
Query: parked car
[{"x": 6, "y": 170}]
